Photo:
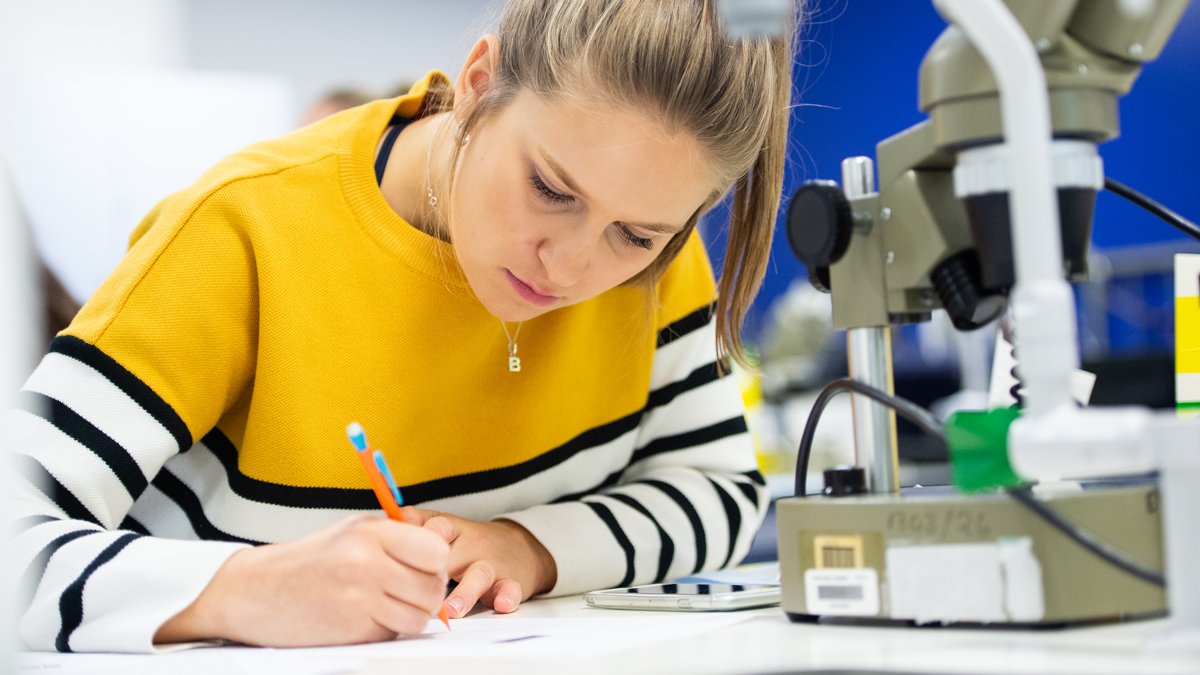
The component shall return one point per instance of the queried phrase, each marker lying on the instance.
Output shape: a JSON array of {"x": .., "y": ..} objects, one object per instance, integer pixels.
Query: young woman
[{"x": 500, "y": 278}]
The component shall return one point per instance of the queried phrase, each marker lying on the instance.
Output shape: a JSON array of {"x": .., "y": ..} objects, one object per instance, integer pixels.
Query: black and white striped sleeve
[
  {"x": 691, "y": 497},
  {"x": 87, "y": 438}
]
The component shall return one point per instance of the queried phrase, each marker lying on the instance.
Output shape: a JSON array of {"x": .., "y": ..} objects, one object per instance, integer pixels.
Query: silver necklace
[{"x": 514, "y": 362}]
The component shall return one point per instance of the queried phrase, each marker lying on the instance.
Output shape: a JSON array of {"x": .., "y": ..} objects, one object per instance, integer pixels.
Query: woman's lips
[{"x": 528, "y": 293}]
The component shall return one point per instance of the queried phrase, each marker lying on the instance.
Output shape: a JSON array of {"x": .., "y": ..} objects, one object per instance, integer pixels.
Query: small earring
[{"x": 463, "y": 139}]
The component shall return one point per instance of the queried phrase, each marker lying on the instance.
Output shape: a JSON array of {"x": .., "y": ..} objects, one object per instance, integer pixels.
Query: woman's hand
[
  {"x": 364, "y": 579},
  {"x": 497, "y": 562}
]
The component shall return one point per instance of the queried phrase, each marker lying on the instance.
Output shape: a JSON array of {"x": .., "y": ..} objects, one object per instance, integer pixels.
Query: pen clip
[{"x": 387, "y": 477}]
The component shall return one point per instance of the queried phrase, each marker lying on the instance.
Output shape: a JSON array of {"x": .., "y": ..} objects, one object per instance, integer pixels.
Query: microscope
[{"x": 985, "y": 208}]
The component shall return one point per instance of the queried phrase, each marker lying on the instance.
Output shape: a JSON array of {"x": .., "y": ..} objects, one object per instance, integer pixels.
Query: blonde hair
[{"x": 671, "y": 58}]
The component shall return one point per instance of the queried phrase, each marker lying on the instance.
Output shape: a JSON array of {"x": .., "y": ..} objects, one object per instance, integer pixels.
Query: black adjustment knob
[
  {"x": 841, "y": 481},
  {"x": 958, "y": 282},
  {"x": 819, "y": 278},
  {"x": 819, "y": 223}
]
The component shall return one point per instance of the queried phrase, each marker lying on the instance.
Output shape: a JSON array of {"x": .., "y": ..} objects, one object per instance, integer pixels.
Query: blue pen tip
[{"x": 357, "y": 436}]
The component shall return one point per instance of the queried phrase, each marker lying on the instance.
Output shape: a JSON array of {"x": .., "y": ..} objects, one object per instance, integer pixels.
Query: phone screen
[{"x": 691, "y": 589}]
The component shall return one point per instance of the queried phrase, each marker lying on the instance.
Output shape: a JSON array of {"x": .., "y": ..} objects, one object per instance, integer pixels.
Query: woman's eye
[
  {"x": 545, "y": 192},
  {"x": 548, "y": 194},
  {"x": 633, "y": 240}
]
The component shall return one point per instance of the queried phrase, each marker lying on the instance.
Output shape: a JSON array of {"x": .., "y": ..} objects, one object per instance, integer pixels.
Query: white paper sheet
[{"x": 485, "y": 637}]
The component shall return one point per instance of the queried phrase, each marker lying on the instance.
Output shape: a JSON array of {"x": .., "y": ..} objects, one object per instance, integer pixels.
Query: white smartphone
[{"x": 686, "y": 597}]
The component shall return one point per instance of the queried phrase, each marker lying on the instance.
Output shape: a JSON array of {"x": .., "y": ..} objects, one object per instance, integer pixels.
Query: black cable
[
  {"x": 1024, "y": 496},
  {"x": 914, "y": 413},
  {"x": 1178, "y": 221}
]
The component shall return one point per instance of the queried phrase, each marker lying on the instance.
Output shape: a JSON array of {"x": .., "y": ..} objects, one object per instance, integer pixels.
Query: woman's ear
[{"x": 478, "y": 73}]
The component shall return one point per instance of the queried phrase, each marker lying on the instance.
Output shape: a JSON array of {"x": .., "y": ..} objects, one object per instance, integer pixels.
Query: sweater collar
[{"x": 356, "y": 155}]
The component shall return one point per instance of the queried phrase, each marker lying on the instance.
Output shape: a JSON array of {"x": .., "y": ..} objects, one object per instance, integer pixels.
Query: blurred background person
[{"x": 336, "y": 100}]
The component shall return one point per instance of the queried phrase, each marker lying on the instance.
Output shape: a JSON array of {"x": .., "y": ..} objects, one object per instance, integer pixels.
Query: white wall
[
  {"x": 116, "y": 103},
  {"x": 318, "y": 45},
  {"x": 48, "y": 48},
  {"x": 16, "y": 338},
  {"x": 86, "y": 179},
  {"x": 14, "y": 302},
  {"x": 16, "y": 359},
  {"x": 313, "y": 45},
  {"x": 110, "y": 33}
]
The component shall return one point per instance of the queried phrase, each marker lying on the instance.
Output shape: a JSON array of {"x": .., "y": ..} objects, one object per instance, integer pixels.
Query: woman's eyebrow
[
  {"x": 563, "y": 176},
  {"x": 655, "y": 227}
]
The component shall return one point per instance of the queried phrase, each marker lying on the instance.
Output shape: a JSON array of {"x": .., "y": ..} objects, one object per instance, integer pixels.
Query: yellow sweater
[{"x": 203, "y": 394}]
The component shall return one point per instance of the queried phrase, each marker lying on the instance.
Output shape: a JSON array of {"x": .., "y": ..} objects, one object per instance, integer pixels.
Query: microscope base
[{"x": 935, "y": 556}]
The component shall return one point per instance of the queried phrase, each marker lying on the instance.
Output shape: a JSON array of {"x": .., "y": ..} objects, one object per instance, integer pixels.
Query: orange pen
[{"x": 382, "y": 483}]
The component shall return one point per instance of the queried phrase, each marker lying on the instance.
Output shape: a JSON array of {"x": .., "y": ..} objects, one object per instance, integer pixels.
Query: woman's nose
[{"x": 568, "y": 254}]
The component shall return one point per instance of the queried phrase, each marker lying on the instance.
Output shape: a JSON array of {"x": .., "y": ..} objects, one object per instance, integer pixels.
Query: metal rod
[
  {"x": 870, "y": 354},
  {"x": 870, "y": 361},
  {"x": 858, "y": 177}
]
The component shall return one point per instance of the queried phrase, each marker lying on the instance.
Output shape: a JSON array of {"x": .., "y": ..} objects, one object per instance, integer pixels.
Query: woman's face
[{"x": 557, "y": 202}]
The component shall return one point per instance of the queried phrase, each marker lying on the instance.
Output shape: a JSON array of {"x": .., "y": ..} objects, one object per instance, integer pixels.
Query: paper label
[
  {"x": 834, "y": 591},
  {"x": 981, "y": 582}
]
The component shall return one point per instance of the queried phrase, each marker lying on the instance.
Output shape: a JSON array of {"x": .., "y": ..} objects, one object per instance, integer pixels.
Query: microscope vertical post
[{"x": 869, "y": 351}]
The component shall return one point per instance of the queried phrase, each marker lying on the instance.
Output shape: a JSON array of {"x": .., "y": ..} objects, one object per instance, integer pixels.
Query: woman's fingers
[
  {"x": 507, "y": 594},
  {"x": 445, "y": 527},
  {"x": 476, "y": 580},
  {"x": 415, "y": 516},
  {"x": 363, "y": 579},
  {"x": 399, "y": 616},
  {"x": 423, "y": 549},
  {"x": 419, "y": 589},
  {"x": 418, "y": 574},
  {"x": 479, "y": 582}
]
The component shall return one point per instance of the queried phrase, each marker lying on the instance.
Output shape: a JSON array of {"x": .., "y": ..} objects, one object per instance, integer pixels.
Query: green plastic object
[{"x": 979, "y": 449}]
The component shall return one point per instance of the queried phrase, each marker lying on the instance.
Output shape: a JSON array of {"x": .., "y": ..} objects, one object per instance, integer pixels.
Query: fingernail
[
  {"x": 456, "y": 606},
  {"x": 503, "y": 605}
]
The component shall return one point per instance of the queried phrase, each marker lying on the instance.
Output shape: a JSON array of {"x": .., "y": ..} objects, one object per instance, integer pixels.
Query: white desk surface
[{"x": 761, "y": 641}]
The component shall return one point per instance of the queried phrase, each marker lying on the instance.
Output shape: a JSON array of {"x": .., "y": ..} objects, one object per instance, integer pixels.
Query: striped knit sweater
[{"x": 198, "y": 403}]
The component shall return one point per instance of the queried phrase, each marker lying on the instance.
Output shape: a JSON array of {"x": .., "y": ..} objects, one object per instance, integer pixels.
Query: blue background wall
[{"x": 857, "y": 83}]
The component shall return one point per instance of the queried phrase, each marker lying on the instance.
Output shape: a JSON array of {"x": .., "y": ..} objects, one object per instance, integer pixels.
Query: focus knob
[
  {"x": 819, "y": 223},
  {"x": 819, "y": 278}
]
